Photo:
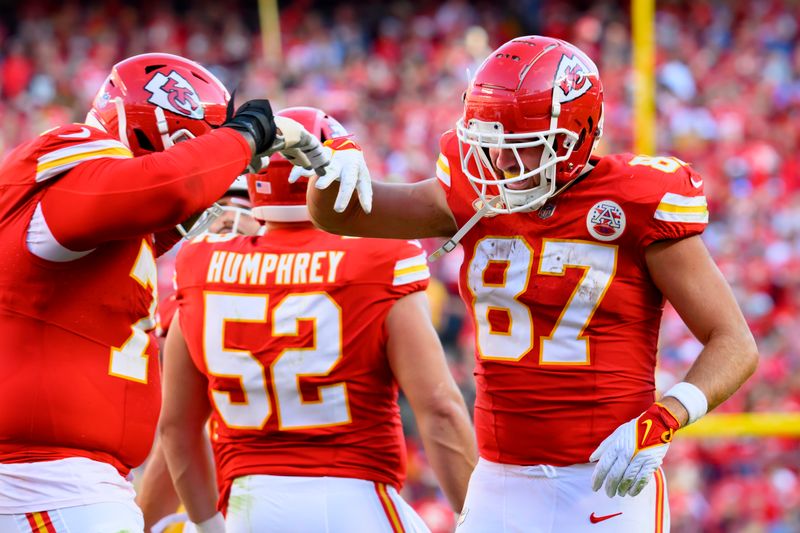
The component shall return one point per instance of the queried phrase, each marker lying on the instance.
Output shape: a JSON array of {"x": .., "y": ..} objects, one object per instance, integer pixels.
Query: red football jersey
[
  {"x": 565, "y": 312},
  {"x": 78, "y": 361},
  {"x": 79, "y": 371},
  {"x": 289, "y": 329}
]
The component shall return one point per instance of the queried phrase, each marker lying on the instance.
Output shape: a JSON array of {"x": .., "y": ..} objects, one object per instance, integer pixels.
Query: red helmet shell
[
  {"x": 192, "y": 99},
  {"x": 271, "y": 194},
  {"x": 527, "y": 80}
]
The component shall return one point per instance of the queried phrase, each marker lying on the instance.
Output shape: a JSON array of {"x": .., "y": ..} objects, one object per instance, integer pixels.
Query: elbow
[
  {"x": 750, "y": 355},
  {"x": 446, "y": 408}
]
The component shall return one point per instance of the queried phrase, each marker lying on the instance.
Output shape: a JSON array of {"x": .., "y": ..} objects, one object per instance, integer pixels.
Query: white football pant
[
  {"x": 93, "y": 518},
  {"x": 295, "y": 504},
  {"x": 550, "y": 499}
]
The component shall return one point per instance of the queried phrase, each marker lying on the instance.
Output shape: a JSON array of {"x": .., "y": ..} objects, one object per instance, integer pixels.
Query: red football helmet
[
  {"x": 152, "y": 101},
  {"x": 273, "y": 197},
  {"x": 532, "y": 91}
]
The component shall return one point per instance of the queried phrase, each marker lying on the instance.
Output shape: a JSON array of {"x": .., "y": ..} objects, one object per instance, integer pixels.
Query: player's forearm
[
  {"x": 156, "y": 495},
  {"x": 399, "y": 211},
  {"x": 449, "y": 443},
  {"x": 725, "y": 363},
  {"x": 110, "y": 199},
  {"x": 191, "y": 469}
]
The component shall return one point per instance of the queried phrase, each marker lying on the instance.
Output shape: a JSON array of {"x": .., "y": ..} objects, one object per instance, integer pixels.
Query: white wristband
[
  {"x": 215, "y": 524},
  {"x": 691, "y": 397}
]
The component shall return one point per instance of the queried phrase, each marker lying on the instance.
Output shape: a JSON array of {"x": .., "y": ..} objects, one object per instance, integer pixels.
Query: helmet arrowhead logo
[
  {"x": 173, "y": 93},
  {"x": 572, "y": 79}
]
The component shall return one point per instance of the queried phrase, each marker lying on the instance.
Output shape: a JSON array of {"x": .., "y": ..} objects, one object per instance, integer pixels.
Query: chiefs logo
[
  {"x": 572, "y": 79},
  {"x": 173, "y": 93},
  {"x": 605, "y": 221}
]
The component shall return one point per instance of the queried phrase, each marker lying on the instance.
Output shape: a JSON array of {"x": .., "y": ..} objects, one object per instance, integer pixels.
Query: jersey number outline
[
  {"x": 566, "y": 344},
  {"x": 292, "y": 410},
  {"x": 130, "y": 360}
]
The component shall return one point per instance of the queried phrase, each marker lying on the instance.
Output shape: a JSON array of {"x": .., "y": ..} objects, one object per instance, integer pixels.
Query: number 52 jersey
[
  {"x": 289, "y": 329},
  {"x": 565, "y": 312}
]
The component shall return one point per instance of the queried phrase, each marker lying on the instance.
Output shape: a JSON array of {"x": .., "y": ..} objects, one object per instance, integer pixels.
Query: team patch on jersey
[
  {"x": 411, "y": 270},
  {"x": 606, "y": 220},
  {"x": 58, "y": 161},
  {"x": 174, "y": 93},
  {"x": 677, "y": 208},
  {"x": 572, "y": 79},
  {"x": 443, "y": 170}
]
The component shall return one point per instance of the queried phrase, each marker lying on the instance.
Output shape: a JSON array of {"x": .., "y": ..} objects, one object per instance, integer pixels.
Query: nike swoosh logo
[
  {"x": 595, "y": 519},
  {"x": 697, "y": 183},
  {"x": 83, "y": 134}
]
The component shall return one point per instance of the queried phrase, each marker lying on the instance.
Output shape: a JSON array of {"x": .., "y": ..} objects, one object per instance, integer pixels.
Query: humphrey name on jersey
[{"x": 257, "y": 268}]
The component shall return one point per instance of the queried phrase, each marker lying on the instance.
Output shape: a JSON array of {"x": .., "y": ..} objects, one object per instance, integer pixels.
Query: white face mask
[{"x": 479, "y": 137}]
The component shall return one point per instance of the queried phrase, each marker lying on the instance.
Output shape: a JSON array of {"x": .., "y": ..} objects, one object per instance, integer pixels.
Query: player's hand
[
  {"x": 255, "y": 122},
  {"x": 297, "y": 145},
  {"x": 628, "y": 458},
  {"x": 348, "y": 166}
]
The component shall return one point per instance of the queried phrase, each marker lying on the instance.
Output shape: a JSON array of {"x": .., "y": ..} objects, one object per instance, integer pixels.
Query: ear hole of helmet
[
  {"x": 581, "y": 138},
  {"x": 199, "y": 77},
  {"x": 142, "y": 140}
]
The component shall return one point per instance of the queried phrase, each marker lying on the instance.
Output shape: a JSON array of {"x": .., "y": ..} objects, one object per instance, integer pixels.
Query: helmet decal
[
  {"x": 263, "y": 187},
  {"x": 174, "y": 93},
  {"x": 572, "y": 77}
]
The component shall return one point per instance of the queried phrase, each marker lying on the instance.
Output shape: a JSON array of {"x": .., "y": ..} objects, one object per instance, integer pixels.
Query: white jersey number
[
  {"x": 286, "y": 370},
  {"x": 130, "y": 360},
  {"x": 513, "y": 257}
]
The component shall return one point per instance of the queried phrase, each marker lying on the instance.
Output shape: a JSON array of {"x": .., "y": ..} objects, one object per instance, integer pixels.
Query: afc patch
[{"x": 605, "y": 220}]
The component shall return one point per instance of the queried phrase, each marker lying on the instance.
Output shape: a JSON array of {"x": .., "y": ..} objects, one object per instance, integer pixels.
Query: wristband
[
  {"x": 215, "y": 524},
  {"x": 691, "y": 397}
]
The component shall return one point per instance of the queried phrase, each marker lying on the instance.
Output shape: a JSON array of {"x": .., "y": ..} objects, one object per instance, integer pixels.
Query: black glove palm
[{"x": 255, "y": 119}]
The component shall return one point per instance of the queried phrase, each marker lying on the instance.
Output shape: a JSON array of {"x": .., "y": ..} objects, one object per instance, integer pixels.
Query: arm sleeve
[
  {"x": 109, "y": 199},
  {"x": 679, "y": 210},
  {"x": 411, "y": 273}
]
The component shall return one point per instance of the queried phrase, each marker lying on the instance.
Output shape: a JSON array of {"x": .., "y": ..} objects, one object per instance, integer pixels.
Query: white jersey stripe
[
  {"x": 443, "y": 170},
  {"x": 692, "y": 218},
  {"x": 671, "y": 198},
  {"x": 59, "y": 161},
  {"x": 411, "y": 269}
]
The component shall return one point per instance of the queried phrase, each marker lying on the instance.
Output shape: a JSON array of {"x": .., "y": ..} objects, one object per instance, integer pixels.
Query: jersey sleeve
[
  {"x": 102, "y": 199},
  {"x": 443, "y": 167},
  {"x": 410, "y": 273},
  {"x": 66, "y": 147},
  {"x": 675, "y": 204}
]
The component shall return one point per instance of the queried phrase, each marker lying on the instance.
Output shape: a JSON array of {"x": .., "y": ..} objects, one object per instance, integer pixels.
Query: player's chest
[{"x": 567, "y": 252}]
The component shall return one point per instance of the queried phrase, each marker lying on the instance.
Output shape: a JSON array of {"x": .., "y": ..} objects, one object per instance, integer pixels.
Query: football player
[
  {"x": 86, "y": 208},
  {"x": 568, "y": 261},
  {"x": 155, "y": 493},
  {"x": 295, "y": 343}
]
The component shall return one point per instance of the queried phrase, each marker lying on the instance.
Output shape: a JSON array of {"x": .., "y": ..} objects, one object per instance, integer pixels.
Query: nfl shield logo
[{"x": 546, "y": 211}]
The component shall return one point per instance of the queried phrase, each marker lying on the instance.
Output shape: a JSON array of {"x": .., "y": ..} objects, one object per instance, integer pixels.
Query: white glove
[
  {"x": 299, "y": 146},
  {"x": 348, "y": 166},
  {"x": 628, "y": 458}
]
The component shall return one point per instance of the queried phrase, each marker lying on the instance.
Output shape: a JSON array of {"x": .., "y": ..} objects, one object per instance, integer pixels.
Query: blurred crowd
[{"x": 728, "y": 101}]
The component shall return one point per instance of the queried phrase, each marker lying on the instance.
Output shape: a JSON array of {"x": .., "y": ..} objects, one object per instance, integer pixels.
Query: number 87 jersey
[{"x": 565, "y": 312}]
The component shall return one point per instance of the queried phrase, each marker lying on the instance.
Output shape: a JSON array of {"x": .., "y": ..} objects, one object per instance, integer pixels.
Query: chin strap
[{"x": 451, "y": 243}]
